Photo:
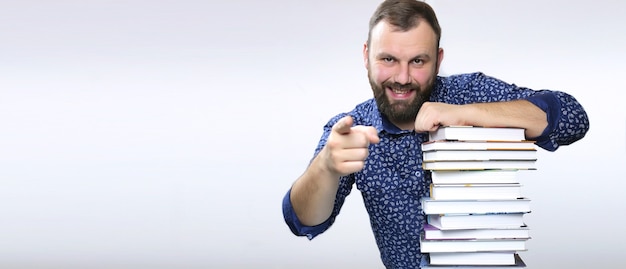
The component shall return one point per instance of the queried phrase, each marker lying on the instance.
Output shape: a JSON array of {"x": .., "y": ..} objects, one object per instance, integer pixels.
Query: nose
[{"x": 403, "y": 76}]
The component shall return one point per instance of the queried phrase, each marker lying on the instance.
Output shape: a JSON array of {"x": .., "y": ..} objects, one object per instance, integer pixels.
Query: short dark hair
[{"x": 404, "y": 14}]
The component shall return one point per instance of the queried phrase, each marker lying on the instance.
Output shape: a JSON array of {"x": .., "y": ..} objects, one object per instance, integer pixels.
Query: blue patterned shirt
[{"x": 393, "y": 181}]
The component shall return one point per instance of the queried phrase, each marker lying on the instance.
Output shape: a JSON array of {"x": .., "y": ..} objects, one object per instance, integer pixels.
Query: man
[{"x": 378, "y": 144}]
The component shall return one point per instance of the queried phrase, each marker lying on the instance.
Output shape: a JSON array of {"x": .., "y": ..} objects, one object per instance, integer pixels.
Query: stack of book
[{"x": 476, "y": 206}]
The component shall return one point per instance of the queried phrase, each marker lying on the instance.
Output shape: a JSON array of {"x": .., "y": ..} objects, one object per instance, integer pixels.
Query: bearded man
[{"x": 377, "y": 146}]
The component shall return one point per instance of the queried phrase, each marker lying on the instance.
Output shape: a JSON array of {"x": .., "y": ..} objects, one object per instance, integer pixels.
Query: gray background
[{"x": 164, "y": 134}]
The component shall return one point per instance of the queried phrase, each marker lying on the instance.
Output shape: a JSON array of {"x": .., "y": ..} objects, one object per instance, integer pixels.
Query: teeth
[{"x": 398, "y": 91}]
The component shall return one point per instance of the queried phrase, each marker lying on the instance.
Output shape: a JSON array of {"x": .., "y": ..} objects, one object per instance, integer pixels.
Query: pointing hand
[{"x": 347, "y": 146}]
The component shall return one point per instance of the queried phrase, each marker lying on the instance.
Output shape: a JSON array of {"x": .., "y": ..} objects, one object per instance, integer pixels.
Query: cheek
[
  {"x": 381, "y": 73},
  {"x": 422, "y": 76}
]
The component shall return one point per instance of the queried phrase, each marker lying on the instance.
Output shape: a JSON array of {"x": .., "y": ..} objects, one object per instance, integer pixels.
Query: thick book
[
  {"x": 475, "y": 133},
  {"x": 494, "y": 176},
  {"x": 476, "y": 221},
  {"x": 480, "y": 165},
  {"x": 478, "y": 145},
  {"x": 432, "y": 233},
  {"x": 473, "y": 258},
  {"x": 483, "y": 191},
  {"x": 479, "y": 155},
  {"x": 430, "y": 246},
  {"x": 425, "y": 264},
  {"x": 432, "y": 207}
]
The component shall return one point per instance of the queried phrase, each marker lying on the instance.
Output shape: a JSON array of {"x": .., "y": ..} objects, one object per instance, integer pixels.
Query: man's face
[{"x": 402, "y": 67}]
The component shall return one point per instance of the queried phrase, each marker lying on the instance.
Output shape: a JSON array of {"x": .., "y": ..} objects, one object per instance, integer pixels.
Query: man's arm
[
  {"x": 313, "y": 193},
  {"x": 516, "y": 113},
  {"x": 550, "y": 118}
]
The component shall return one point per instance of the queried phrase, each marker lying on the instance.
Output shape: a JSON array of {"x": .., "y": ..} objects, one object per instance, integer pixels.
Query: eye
[
  {"x": 388, "y": 59},
  {"x": 418, "y": 61}
]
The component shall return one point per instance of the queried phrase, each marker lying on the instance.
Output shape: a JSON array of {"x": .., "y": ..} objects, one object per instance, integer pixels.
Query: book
[
  {"x": 432, "y": 233},
  {"x": 432, "y": 207},
  {"x": 480, "y": 165},
  {"x": 483, "y": 191},
  {"x": 479, "y": 155},
  {"x": 476, "y": 221},
  {"x": 478, "y": 145},
  {"x": 425, "y": 264},
  {"x": 430, "y": 246},
  {"x": 473, "y": 258},
  {"x": 475, "y": 133},
  {"x": 495, "y": 176}
]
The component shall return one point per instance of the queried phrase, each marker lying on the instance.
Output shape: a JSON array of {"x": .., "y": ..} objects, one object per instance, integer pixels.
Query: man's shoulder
[
  {"x": 366, "y": 106},
  {"x": 456, "y": 84},
  {"x": 364, "y": 113},
  {"x": 459, "y": 78}
]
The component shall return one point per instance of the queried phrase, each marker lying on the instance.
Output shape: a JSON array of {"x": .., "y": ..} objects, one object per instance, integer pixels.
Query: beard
[{"x": 400, "y": 111}]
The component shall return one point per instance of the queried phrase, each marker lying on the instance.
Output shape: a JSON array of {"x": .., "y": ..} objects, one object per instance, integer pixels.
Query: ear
[
  {"x": 439, "y": 58},
  {"x": 365, "y": 55}
]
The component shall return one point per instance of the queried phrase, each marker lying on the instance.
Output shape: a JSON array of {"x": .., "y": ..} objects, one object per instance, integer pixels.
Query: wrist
[{"x": 322, "y": 166}]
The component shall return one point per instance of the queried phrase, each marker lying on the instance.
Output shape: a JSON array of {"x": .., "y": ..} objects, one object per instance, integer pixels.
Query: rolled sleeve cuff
[
  {"x": 548, "y": 102},
  {"x": 296, "y": 226}
]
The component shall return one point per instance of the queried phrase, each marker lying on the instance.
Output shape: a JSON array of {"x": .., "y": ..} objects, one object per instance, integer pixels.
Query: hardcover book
[
  {"x": 474, "y": 133},
  {"x": 425, "y": 264},
  {"x": 478, "y": 145},
  {"x": 431, "y": 206},
  {"x": 476, "y": 221},
  {"x": 494, "y": 176},
  {"x": 480, "y": 165},
  {"x": 479, "y": 155},
  {"x": 432, "y": 233},
  {"x": 475, "y": 191},
  {"x": 430, "y": 246},
  {"x": 473, "y": 258}
]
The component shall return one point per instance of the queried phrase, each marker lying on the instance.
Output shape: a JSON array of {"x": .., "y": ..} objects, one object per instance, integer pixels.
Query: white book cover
[
  {"x": 430, "y": 246},
  {"x": 473, "y": 258},
  {"x": 425, "y": 264},
  {"x": 476, "y": 221},
  {"x": 432, "y": 207},
  {"x": 494, "y": 176},
  {"x": 480, "y": 165},
  {"x": 478, "y": 145},
  {"x": 475, "y": 191},
  {"x": 432, "y": 233},
  {"x": 479, "y": 155},
  {"x": 475, "y": 133}
]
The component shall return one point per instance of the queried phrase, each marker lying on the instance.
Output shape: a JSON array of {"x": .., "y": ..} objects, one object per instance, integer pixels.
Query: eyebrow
[{"x": 423, "y": 56}]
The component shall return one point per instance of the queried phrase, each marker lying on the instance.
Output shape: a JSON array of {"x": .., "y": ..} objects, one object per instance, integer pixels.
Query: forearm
[
  {"x": 313, "y": 194},
  {"x": 516, "y": 113}
]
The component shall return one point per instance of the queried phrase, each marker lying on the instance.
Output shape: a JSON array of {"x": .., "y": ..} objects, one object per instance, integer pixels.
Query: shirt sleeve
[
  {"x": 296, "y": 226},
  {"x": 567, "y": 119}
]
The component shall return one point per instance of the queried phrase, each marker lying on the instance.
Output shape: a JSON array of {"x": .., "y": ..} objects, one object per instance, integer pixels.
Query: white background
[{"x": 164, "y": 134}]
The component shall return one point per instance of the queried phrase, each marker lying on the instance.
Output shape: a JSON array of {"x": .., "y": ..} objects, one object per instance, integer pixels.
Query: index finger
[{"x": 343, "y": 125}]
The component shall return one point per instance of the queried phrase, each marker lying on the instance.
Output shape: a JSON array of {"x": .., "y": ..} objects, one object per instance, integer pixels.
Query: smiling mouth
[{"x": 399, "y": 91}]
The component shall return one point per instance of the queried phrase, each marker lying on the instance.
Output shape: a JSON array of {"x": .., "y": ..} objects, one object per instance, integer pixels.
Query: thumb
[{"x": 343, "y": 125}]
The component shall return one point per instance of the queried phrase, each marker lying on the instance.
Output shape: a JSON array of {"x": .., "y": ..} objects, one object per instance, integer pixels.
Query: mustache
[{"x": 396, "y": 85}]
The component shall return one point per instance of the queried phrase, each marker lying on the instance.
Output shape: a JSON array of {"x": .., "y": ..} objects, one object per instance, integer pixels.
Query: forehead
[{"x": 386, "y": 38}]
